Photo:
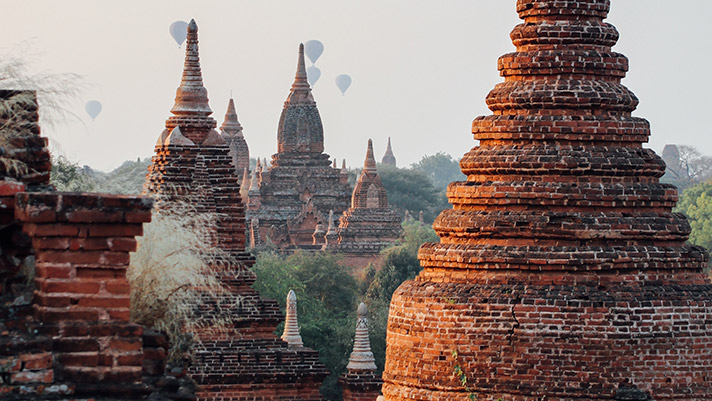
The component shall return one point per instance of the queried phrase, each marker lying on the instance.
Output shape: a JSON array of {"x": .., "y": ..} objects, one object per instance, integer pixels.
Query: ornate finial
[
  {"x": 291, "y": 328},
  {"x": 231, "y": 125},
  {"x": 370, "y": 163},
  {"x": 388, "y": 157},
  {"x": 343, "y": 164},
  {"x": 361, "y": 357},
  {"x": 191, "y": 96},
  {"x": 254, "y": 184},
  {"x": 301, "y": 91}
]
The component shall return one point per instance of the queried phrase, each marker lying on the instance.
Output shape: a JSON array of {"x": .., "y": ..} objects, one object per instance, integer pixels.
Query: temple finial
[
  {"x": 231, "y": 125},
  {"x": 191, "y": 95},
  {"x": 370, "y": 163},
  {"x": 389, "y": 158},
  {"x": 291, "y": 327},
  {"x": 361, "y": 357},
  {"x": 301, "y": 91}
]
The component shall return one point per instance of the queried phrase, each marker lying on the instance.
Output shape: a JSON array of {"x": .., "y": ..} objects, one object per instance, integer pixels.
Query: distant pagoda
[
  {"x": 561, "y": 271},
  {"x": 300, "y": 187},
  {"x": 389, "y": 158},
  {"x": 369, "y": 225},
  {"x": 231, "y": 131},
  {"x": 244, "y": 360}
]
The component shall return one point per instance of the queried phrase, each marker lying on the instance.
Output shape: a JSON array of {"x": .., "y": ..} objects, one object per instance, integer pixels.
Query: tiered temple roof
[
  {"x": 561, "y": 272},
  {"x": 300, "y": 187},
  {"x": 193, "y": 164},
  {"x": 369, "y": 225},
  {"x": 231, "y": 131}
]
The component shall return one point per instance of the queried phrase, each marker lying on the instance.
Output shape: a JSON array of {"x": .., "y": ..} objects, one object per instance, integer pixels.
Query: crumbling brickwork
[{"x": 561, "y": 272}]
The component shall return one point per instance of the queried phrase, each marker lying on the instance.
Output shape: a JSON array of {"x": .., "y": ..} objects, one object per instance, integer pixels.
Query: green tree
[
  {"x": 67, "y": 176},
  {"x": 327, "y": 297},
  {"x": 441, "y": 168},
  {"x": 696, "y": 204},
  {"x": 413, "y": 191}
]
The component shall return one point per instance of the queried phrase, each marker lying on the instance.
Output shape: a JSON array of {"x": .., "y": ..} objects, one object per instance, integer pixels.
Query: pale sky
[{"x": 420, "y": 69}]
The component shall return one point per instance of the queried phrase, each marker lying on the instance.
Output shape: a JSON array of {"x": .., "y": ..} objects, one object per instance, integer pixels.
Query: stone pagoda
[
  {"x": 300, "y": 187},
  {"x": 369, "y": 225},
  {"x": 389, "y": 158},
  {"x": 231, "y": 131},
  {"x": 244, "y": 359},
  {"x": 561, "y": 271}
]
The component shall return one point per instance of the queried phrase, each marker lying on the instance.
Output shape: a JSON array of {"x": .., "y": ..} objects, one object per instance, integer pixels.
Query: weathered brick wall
[{"x": 561, "y": 272}]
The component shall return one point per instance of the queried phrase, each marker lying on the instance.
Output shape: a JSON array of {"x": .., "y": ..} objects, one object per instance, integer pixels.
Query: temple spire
[
  {"x": 361, "y": 357},
  {"x": 389, "y": 158},
  {"x": 370, "y": 163},
  {"x": 301, "y": 91},
  {"x": 231, "y": 125},
  {"x": 191, "y": 95},
  {"x": 291, "y": 327}
]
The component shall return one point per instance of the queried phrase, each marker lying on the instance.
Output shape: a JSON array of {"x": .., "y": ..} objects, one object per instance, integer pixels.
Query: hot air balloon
[
  {"x": 179, "y": 30},
  {"x": 313, "y": 50},
  {"x": 343, "y": 81},
  {"x": 93, "y": 108},
  {"x": 313, "y": 74}
]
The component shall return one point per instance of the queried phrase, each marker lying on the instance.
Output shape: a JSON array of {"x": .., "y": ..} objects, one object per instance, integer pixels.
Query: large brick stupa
[{"x": 561, "y": 273}]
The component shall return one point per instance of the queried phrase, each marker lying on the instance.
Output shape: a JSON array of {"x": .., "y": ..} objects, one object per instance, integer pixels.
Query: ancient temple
[
  {"x": 300, "y": 187},
  {"x": 244, "y": 360},
  {"x": 231, "y": 131},
  {"x": 561, "y": 272},
  {"x": 389, "y": 158},
  {"x": 369, "y": 225}
]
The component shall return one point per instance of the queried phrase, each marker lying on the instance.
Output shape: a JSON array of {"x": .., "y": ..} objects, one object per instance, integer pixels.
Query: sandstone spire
[
  {"x": 231, "y": 125},
  {"x": 558, "y": 243},
  {"x": 388, "y": 157},
  {"x": 191, "y": 95},
  {"x": 291, "y": 327}
]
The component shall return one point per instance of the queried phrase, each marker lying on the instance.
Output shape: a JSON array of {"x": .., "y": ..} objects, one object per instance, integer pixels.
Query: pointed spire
[
  {"x": 231, "y": 125},
  {"x": 369, "y": 164},
  {"x": 191, "y": 95},
  {"x": 334, "y": 164},
  {"x": 291, "y": 328},
  {"x": 245, "y": 185},
  {"x": 388, "y": 157},
  {"x": 343, "y": 165},
  {"x": 361, "y": 357},
  {"x": 301, "y": 91},
  {"x": 254, "y": 184}
]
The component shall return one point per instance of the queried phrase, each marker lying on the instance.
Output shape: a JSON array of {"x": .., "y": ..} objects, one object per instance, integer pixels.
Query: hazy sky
[{"x": 420, "y": 69}]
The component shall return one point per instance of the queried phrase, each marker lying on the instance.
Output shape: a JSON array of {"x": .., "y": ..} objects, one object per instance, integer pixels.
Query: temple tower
[
  {"x": 300, "y": 186},
  {"x": 369, "y": 225},
  {"x": 245, "y": 359},
  {"x": 389, "y": 158},
  {"x": 231, "y": 131},
  {"x": 561, "y": 272},
  {"x": 360, "y": 381}
]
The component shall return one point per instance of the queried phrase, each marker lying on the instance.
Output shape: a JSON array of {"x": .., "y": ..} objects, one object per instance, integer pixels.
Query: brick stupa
[
  {"x": 231, "y": 131},
  {"x": 300, "y": 187},
  {"x": 245, "y": 360},
  {"x": 561, "y": 273},
  {"x": 369, "y": 225}
]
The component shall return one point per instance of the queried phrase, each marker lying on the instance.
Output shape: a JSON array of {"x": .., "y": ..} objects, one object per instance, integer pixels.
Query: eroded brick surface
[{"x": 561, "y": 272}]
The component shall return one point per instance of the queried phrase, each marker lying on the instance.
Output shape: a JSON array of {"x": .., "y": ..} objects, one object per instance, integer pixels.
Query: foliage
[
  {"x": 67, "y": 176},
  {"x": 126, "y": 179},
  {"x": 166, "y": 270},
  {"x": 326, "y": 303},
  {"x": 696, "y": 204},
  {"x": 413, "y": 191},
  {"x": 441, "y": 168}
]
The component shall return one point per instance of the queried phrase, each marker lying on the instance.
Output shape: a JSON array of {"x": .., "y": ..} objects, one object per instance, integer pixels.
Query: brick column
[{"x": 82, "y": 244}]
